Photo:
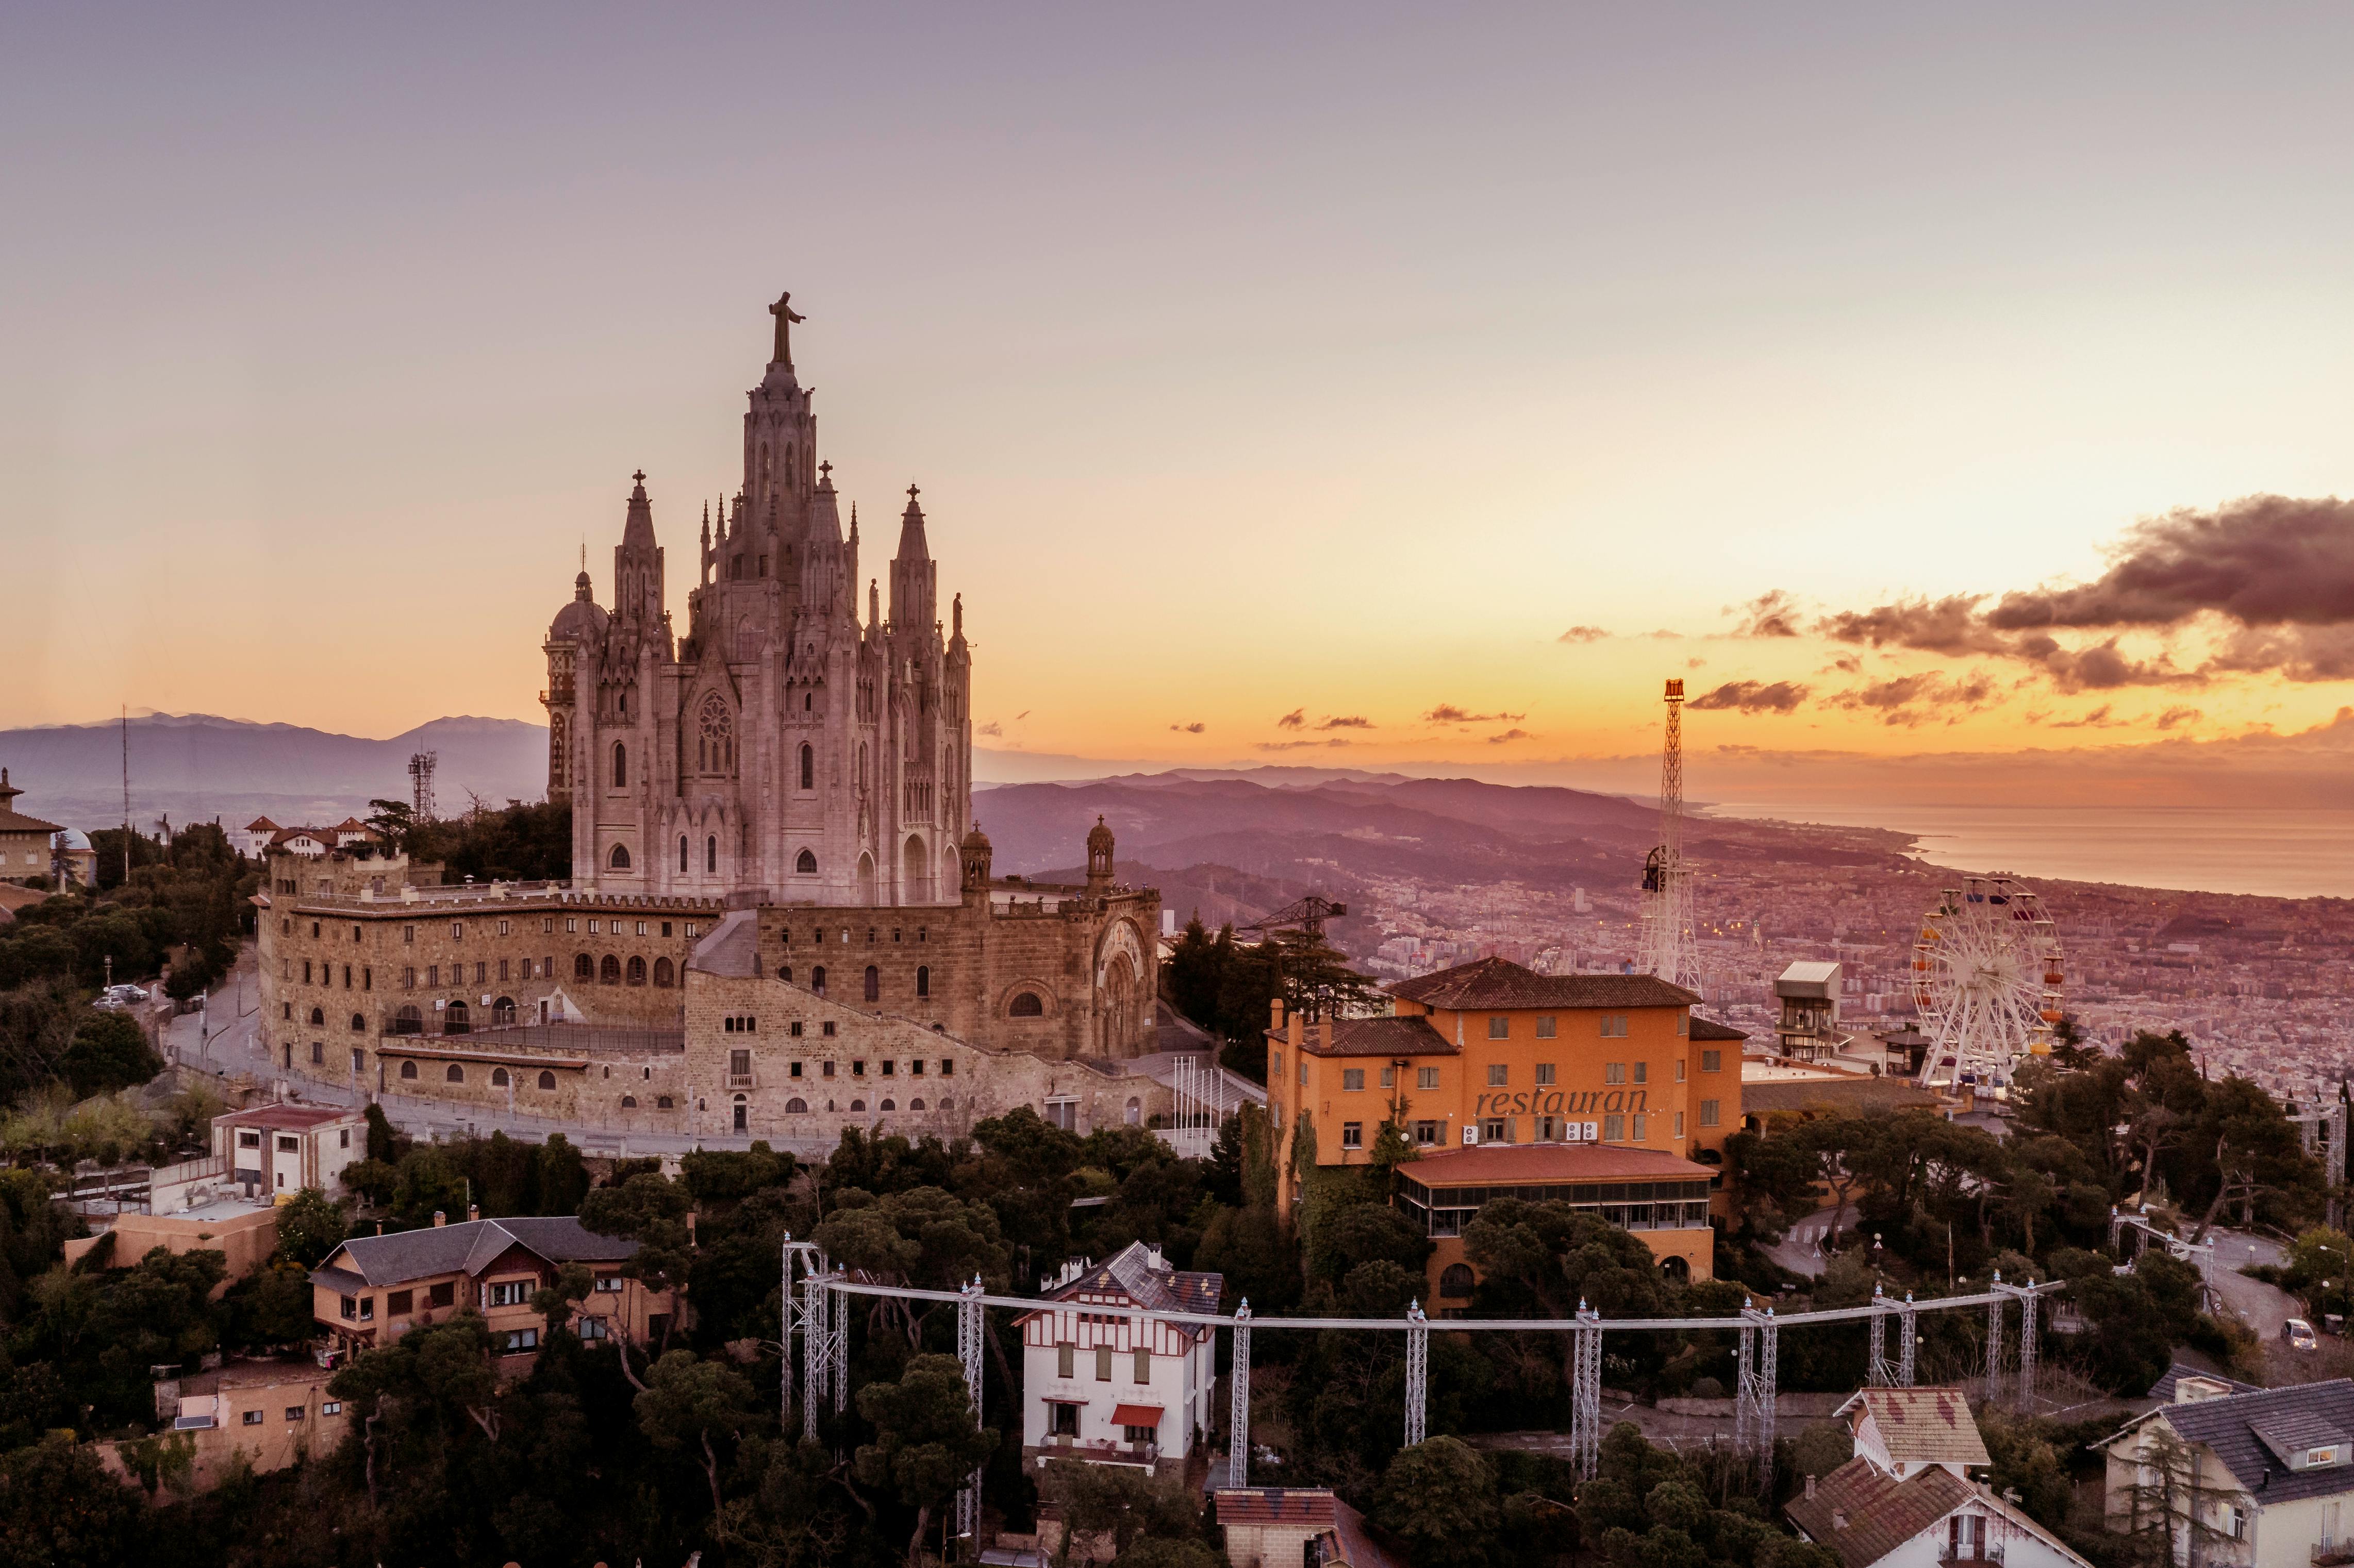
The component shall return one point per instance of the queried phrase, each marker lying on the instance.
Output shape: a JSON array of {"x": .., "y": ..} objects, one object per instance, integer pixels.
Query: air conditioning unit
[{"x": 1470, "y": 1135}]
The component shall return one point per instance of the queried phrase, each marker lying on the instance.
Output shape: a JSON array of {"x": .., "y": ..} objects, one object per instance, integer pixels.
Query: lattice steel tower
[
  {"x": 421, "y": 784},
  {"x": 1668, "y": 950}
]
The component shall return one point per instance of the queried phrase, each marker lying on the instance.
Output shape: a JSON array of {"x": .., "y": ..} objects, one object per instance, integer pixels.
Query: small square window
[
  {"x": 253, "y": 1418},
  {"x": 1548, "y": 1026},
  {"x": 795, "y": 1029},
  {"x": 1500, "y": 1026},
  {"x": 1642, "y": 1072},
  {"x": 1499, "y": 1074},
  {"x": 857, "y": 1069},
  {"x": 1680, "y": 1065},
  {"x": 793, "y": 1070},
  {"x": 889, "y": 1068},
  {"x": 1712, "y": 1061},
  {"x": 1614, "y": 1071},
  {"x": 1614, "y": 1026},
  {"x": 1352, "y": 1080},
  {"x": 1544, "y": 1075},
  {"x": 331, "y": 1407},
  {"x": 296, "y": 1412},
  {"x": 1614, "y": 1129},
  {"x": 826, "y": 1071},
  {"x": 1426, "y": 1133},
  {"x": 947, "y": 1068},
  {"x": 1680, "y": 1124},
  {"x": 1352, "y": 1134},
  {"x": 1709, "y": 1113},
  {"x": 1425, "y": 1078},
  {"x": 827, "y": 1029},
  {"x": 1389, "y": 1078},
  {"x": 1641, "y": 1122}
]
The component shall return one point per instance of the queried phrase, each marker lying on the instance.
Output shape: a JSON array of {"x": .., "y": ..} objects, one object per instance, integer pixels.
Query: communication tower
[
  {"x": 421, "y": 784},
  {"x": 1668, "y": 950}
]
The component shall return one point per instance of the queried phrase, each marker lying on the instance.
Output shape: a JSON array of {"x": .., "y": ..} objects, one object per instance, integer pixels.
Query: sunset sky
[{"x": 1353, "y": 385}]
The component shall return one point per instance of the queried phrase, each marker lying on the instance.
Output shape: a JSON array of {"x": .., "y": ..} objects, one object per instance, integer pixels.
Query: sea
[{"x": 2293, "y": 854}]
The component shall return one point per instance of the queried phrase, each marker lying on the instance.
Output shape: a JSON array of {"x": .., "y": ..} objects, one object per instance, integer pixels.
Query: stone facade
[
  {"x": 780, "y": 750},
  {"x": 784, "y": 770}
]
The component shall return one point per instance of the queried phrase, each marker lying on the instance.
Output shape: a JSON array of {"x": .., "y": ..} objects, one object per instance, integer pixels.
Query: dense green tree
[
  {"x": 109, "y": 1052},
  {"x": 696, "y": 1408},
  {"x": 309, "y": 1226},
  {"x": 1115, "y": 1506},
  {"x": 60, "y": 1508},
  {"x": 927, "y": 1441},
  {"x": 1438, "y": 1499},
  {"x": 650, "y": 1210}
]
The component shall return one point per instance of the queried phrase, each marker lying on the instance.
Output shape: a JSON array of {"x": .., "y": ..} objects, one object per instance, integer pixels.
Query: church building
[{"x": 781, "y": 759}]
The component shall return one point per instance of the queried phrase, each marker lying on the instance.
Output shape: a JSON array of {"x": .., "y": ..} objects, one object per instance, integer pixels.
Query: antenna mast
[
  {"x": 1668, "y": 950},
  {"x": 421, "y": 784},
  {"x": 126, "y": 795}
]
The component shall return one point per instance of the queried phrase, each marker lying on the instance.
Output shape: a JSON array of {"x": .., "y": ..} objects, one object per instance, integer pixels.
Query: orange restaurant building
[{"x": 1599, "y": 1090}]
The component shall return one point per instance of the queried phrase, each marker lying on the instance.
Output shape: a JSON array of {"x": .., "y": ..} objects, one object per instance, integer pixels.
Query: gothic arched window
[
  {"x": 809, "y": 767},
  {"x": 620, "y": 766},
  {"x": 923, "y": 980},
  {"x": 806, "y": 863},
  {"x": 711, "y": 854},
  {"x": 817, "y": 979},
  {"x": 714, "y": 741},
  {"x": 873, "y": 983},
  {"x": 609, "y": 972},
  {"x": 682, "y": 852},
  {"x": 662, "y": 973},
  {"x": 583, "y": 966},
  {"x": 637, "y": 971},
  {"x": 619, "y": 860}
]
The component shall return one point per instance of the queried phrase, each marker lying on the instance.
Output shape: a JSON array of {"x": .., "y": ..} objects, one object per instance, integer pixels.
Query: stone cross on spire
[{"x": 785, "y": 316}]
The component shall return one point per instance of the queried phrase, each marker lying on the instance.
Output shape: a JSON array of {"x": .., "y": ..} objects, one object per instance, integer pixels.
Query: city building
[
  {"x": 1107, "y": 1385},
  {"x": 779, "y": 755},
  {"x": 24, "y": 840},
  {"x": 1594, "y": 1087},
  {"x": 1810, "y": 994},
  {"x": 1911, "y": 1497},
  {"x": 372, "y": 1289},
  {"x": 273, "y": 1414},
  {"x": 2260, "y": 1479},
  {"x": 1275, "y": 1527}
]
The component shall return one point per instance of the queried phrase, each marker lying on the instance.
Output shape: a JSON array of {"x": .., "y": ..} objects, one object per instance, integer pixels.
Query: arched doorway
[
  {"x": 916, "y": 872},
  {"x": 866, "y": 879},
  {"x": 1119, "y": 1022}
]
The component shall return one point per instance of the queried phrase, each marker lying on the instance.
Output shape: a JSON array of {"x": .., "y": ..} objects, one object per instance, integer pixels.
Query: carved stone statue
[{"x": 783, "y": 310}]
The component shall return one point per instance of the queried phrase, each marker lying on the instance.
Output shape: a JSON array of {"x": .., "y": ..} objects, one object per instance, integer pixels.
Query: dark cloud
[
  {"x": 2097, "y": 720},
  {"x": 1510, "y": 734},
  {"x": 1447, "y": 713},
  {"x": 1753, "y": 697},
  {"x": 1349, "y": 721},
  {"x": 1694, "y": 663},
  {"x": 1292, "y": 720},
  {"x": 1664, "y": 634},
  {"x": 1196, "y": 727},
  {"x": 2269, "y": 560},
  {"x": 992, "y": 727},
  {"x": 1295, "y": 745},
  {"x": 2277, "y": 572},
  {"x": 1773, "y": 613},
  {"x": 1582, "y": 634},
  {"x": 1912, "y": 700},
  {"x": 2172, "y": 717},
  {"x": 1023, "y": 715}
]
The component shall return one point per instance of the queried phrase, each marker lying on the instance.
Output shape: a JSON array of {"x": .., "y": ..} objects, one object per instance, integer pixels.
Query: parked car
[
  {"x": 2298, "y": 1335},
  {"x": 115, "y": 998}
]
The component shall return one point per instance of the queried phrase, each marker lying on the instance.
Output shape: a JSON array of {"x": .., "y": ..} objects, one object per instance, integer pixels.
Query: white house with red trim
[{"x": 1106, "y": 1382}]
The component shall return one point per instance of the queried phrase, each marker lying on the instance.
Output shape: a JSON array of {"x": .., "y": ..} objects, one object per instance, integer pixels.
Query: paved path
[
  {"x": 1801, "y": 1250},
  {"x": 2262, "y": 1307}
]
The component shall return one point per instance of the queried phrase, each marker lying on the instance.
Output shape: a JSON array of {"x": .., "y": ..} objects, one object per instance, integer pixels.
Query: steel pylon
[
  {"x": 972, "y": 1324},
  {"x": 1417, "y": 1374},
  {"x": 1752, "y": 1409},
  {"x": 1238, "y": 1419},
  {"x": 1585, "y": 1391}
]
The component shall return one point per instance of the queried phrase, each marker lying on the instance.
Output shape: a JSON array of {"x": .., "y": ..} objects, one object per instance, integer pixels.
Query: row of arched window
[
  {"x": 456, "y": 1018},
  {"x": 799, "y": 1107},
  {"x": 456, "y": 1073},
  {"x": 611, "y": 970}
]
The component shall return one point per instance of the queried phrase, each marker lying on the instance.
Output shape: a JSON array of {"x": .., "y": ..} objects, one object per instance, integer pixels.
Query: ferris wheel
[{"x": 1986, "y": 977}]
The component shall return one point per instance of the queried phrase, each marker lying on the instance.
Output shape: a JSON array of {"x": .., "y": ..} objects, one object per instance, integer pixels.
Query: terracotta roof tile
[
  {"x": 1309, "y": 1506},
  {"x": 1502, "y": 985},
  {"x": 1710, "y": 1029},
  {"x": 1881, "y": 1513},
  {"x": 1929, "y": 1424},
  {"x": 1379, "y": 1036}
]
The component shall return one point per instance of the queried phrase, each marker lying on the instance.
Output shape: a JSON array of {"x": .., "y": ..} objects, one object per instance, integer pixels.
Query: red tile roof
[
  {"x": 1710, "y": 1029},
  {"x": 1501, "y": 984},
  {"x": 1534, "y": 1164},
  {"x": 1863, "y": 1513},
  {"x": 1930, "y": 1425},
  {"x": 293, "y": 1118},
  {"x": 1381, "y": 1036},
  {"x": 1309, "y": 1506}
]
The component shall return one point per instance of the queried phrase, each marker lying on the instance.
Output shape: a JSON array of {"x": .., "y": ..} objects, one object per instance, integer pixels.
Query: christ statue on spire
[{"x": 783, "y": 310}]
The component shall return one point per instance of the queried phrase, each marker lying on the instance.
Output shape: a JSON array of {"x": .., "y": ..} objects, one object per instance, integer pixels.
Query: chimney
[
  {"x": 379, "y": 1227},
  {"x": 440, "y": 1219},
  {"x": 474, "y": 1213},
  {"x": 1839, "y": 1518},
  {"x": 1275, "y": 1013},
  {"x": 1810, "y": 1488}
]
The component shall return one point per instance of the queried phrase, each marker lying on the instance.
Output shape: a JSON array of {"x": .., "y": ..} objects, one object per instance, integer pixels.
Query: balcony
[
  {"x": 2331, "y": 1553},
  {"x": 1098, "y": 1450},
  {"x": 740, "y": 1080},
  {"x": 1970, "y": 1551}
]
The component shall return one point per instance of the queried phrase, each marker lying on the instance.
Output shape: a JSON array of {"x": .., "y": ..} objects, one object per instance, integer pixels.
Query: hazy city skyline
[{"x": 1409, "y": 383}]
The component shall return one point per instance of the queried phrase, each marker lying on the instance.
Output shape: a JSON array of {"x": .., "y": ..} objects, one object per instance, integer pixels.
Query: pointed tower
[
  {"x": 914, "y": 578},
  {"x": 638, "y": 562}
]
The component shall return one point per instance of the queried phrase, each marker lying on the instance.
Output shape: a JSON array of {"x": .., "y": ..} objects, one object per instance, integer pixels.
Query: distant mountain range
[{"x": 196, "y": 767}]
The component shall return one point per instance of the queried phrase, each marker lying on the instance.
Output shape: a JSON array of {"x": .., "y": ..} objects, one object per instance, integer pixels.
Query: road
[
  {"x": 1801, "y": 1250},
  {"x": 2262, "y": 1307}
]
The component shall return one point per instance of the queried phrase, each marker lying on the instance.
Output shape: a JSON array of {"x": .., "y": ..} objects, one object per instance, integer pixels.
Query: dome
[
  {"x": 1099, "y": 838},
  {"x": 581, "y": 621},
  {"x": 976, "y": 840}
]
